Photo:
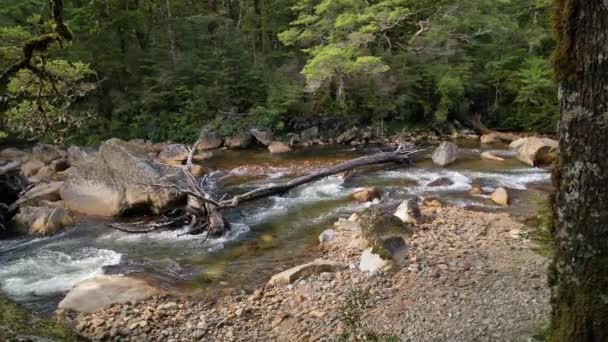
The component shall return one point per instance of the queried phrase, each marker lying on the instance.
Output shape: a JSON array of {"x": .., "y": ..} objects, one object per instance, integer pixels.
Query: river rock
[
  {"x": 118, "y": 180},
  {"x": 174, "y": 154},
  {"x": 348, "y": 136},
  {"x": 500, "y": 196},
  {"x": 537, "y": 151},
  {"x": 347, "y": 225},
  {"x": 441, "y": 181},
  {"x": 209, "y": 139},
  {"x": 327, "y": 235},
  {"x": 31, "y": 167},
  {"x": 263, "y": 137},
  {"x": 367, "y": 195},
  {"x": 409, "y": 212},
  {"x": 310, "y": 134},
  {"x": 488, "y": 139},
  {"x": 197, "y": 170},
  {"x": 278, "y": 147},
  {"x": 76, "y": 155},
  {"x": 516, "y": 144},
  {"x": 312, "y": 268},
  {"x": 14, "y": 154},
  {"x": 41, "y": 192},
  {"x": 445, "y": 153},
  {"x": 372, "y": 263},
  {"x": 241, "y": 140},
  {"x": 476, "y": 190},
  {"x": 60, "y": 164},
  {"x": 45, "y": 172},
  {"x": 93, "y": 294},
  {"x": 46, "y": 153},
  {"x": 41, "y": 220}
]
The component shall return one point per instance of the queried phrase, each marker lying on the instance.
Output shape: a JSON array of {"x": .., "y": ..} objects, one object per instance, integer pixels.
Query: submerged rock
[
  {"x": 118, "y": 180},
  {"x": 93, "y": 294},
  {"x": 442, "y": 181},
  {"x": 445, "y": 153},
  {"x": 312, "y": 268},
  {"x": 367, "y": 195}
]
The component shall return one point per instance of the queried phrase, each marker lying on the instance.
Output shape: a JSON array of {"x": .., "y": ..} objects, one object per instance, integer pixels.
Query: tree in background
[{"x": 579, "y": 272}]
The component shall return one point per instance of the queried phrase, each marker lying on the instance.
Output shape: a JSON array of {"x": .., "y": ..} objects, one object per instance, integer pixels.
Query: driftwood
[
  {"x": 475, "y": 121},
  {"x": 202, "y": 212}
]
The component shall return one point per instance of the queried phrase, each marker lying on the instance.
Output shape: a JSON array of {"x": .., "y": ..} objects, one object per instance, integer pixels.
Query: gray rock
[
  {"x": 372, "y": 263},
  {"x": 41, "y": 220},
  {"x": 209, "y": 139},
  {"x": 118, "y": 179},
  {"x": 445, "y": 153},
  {"x": 241, "y": 140},
  {"x": 174, "y": 154},
  {"x": 409, "y": 212},
  {"x": 312, "y": 268},
  {"x": 14, "y": 154},
  {"x": 42, "y": 192},
  {"x": 278, "y": 147},
  {"x": 310, "y": 134},
  {"x": 263, "y": 137},
  {"x": 46, "y": 153},
  {"x": 348, "y": 136},
  {"x": 327, "y": 235},
  {"x": 537, "y": 151}
]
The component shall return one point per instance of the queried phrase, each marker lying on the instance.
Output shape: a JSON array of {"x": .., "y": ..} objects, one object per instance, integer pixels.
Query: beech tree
[{"x": 579, "y": 272}]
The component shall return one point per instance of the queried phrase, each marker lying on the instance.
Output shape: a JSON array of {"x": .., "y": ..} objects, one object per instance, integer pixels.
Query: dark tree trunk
[{"x": 579, "y": 273}]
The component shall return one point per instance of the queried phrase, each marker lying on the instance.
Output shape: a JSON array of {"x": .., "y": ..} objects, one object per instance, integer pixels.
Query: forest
[{"x": 160, "y": 70}]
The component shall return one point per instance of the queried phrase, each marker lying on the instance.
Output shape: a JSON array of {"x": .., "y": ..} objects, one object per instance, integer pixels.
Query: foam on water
[{"x": 48, "y": 271}]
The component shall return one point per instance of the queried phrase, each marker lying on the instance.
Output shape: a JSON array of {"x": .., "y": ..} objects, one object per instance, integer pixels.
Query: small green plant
[
  {"x": 352, "y": 317},
  {"x": 542, "y": 225}
]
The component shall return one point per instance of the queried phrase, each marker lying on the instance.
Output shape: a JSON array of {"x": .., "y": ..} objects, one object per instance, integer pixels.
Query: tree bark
[{"x": 579, "y": 273}]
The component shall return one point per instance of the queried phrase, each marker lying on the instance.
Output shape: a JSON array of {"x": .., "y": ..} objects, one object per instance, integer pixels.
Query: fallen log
[{"x": 202, "y": 213}]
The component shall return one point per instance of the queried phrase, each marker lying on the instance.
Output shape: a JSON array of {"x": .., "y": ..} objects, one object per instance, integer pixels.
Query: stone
[
  {"x": 476, "y": 190},
  {"x": 278, "y": 147},
  {"x": 409, "y": 212},
  {"x": 240, "y": 140},
  {"x": 77, "y": 155},
  {"x": 197, "y": 170},
  {"x": 93, "y": 294},
  {"x": 174, "y": 154},
  {"x": 209, "y": 139},
  {"x": 14, "y": 154},
  {"x": 31, "y": 167},
  {"x": 327, "y": 235},
  {"x": 372, "y": 263},
  {"x": 347, "y": 225},
  {"x": 396, "y": 247},
  {"x": 516, "y": 144},
  {"x": 500, "y": 196},
  {"x": 537, "y": 151},
  {"x": 432, "y": 203},
  {"x": 200, "y": 156},
  {"x": 117, "y": 180},
  {"x": 41, "y": 192},
  {"x": 515, "y": 233},
  {"x": 358, "y": 243},
  {"x": 45, "y": 172},
  {"x": 348, "y": 136},
  {"x": 306, "y": 270},
  {"x": 445, "y": 153},
  {"x": 367, "y": 195},
  {"x": 41, "y": 220},
  {"x": 60, "y": 164},
  {"x": 488, "y": 139},
  {"x": 310, "y": 134},
  {"x": 354, "y": 217},
  {"x": 488, "y": 155},
  {"x": 263, "y": 137},
  {"x": 46, "y": 153},
  {"x": 441, "y": 181}
]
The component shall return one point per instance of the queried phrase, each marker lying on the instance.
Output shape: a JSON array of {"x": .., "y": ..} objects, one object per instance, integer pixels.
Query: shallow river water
[{"x": 266, "y": 236}]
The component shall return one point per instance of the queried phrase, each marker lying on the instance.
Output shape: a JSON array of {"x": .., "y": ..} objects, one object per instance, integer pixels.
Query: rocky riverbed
[{"x": 467, "y": 276}]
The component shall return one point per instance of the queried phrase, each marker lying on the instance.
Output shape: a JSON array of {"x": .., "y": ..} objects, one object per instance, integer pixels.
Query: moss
[
  {"x": 16, "y": 323},
  {"x": 542, "y": 225},
  {"x": 564, "y": 62}
]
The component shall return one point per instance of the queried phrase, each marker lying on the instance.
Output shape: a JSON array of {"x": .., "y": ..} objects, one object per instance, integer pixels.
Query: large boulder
[
  {"x": 278, "y": 147},
  {"x": 537, "y": 151},
  {"x": 445, "y": 153},
  {"x": 14, "y": 154},
  {"x": 263, "y": 137},
  {"x": 41, "y": 220},
  {"x": 306, "y": 270},
  {"x": 348, "y": 136},
  {"x": 42, "y": 192},
  {"x": 367, "y": 195},
  {"x": 119, "y": 179},
  {"x": 31, "y": 167},
  {"x": 209, "y": 139},
  {"x": 241, "y": 140},
  {"x": 77, "y": 155},
  {"x": 93, "y": 294},
  {"x": 174, "y": 154}
]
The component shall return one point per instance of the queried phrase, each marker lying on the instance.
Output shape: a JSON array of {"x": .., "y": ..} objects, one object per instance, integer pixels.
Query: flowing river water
[{"x": 267, "y": 236}]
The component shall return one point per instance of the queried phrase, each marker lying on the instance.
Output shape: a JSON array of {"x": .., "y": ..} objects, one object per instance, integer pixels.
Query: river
[{"x": 266, "y": 236}]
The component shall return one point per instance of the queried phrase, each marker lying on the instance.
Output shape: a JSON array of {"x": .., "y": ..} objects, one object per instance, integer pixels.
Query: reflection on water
[{"x": 266, "y": 236}]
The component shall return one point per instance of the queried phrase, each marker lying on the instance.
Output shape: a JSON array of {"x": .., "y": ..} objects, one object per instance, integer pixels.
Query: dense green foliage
[{"x": 161, "y": 69}]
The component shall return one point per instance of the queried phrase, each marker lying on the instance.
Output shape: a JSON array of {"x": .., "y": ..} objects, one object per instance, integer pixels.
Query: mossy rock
[{"x": 16, "y": 323}]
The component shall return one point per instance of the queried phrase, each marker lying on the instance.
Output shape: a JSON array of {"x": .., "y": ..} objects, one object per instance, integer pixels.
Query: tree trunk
[{"x": 579, "y": 273}]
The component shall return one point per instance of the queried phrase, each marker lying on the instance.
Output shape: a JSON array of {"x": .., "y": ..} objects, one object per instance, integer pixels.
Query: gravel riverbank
[{"x": 469, "y": 276}]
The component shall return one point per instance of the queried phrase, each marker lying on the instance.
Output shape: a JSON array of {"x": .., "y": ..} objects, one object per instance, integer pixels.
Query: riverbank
[{"x": 468, "y": 276}]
